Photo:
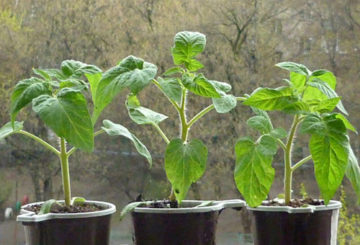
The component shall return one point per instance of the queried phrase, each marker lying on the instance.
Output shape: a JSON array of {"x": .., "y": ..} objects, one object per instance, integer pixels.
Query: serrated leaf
[
  {"x": 353, "y": 172},
  {"x": 24, "y": 92},
  {"x": 267, "y": 145},
  {"x": 172, "y": 71},
  {"x": 184, "y": 164},
  {"x": 294, "y": 67},
  {"x": 200, "y": 85},
  {"x": 172, "y": 88},
  {"x": 142, "y": 115},
  {"x": 73, "y": 68},
  {"x": 8, "y": 129},
  {"x": 327, "y": 105},
  {"x": 346, "y": 122},
  {"x": 326, "y": 90},
  {"x": 260, "y": 123},
  {"x": 297, "y": 107},
  {"x": 77, "y": 201},
  {"x": 46, "y": 206},
  {"x": 329, "y": 150},
  {"x": 221, "y": 86},
  {"x": 114, "y": 129},
  {"x": 224, "y": 104},
  {"x": 312, "y": 124},
  {"x": 271, "y": 99},
  {"x": 186, "y": 46},
  {"x": 132, "y": 72},
  {"x": 253, "y": 174},
  {"x": 298, "y": 80},
  {"x": 67, "y": 115},
  {"x": 278, "y": 133}
]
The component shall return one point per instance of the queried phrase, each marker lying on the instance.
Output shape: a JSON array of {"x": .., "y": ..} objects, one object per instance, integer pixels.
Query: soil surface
[
  {"x": 161, "y": 204},
  {"x": 57, "y": 208},
  {"x": 296, "y": 203}
]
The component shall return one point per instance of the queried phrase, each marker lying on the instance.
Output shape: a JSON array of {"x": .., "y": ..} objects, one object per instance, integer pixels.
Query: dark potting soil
[
  {"x": 162, "y": 204},
  {"x": 83, "y": 208},
  {"x": 296, "y": 203}
]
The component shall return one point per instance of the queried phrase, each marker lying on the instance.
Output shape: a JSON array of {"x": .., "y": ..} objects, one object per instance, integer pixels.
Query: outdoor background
[{"x": 245, "y": 39}]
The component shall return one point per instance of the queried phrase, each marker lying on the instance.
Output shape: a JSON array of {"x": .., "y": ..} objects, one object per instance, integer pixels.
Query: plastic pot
[
  {"x": 311, "y": 225},
  {"x": 91, "y": 228},
  {"x": 188, "y": 224}
]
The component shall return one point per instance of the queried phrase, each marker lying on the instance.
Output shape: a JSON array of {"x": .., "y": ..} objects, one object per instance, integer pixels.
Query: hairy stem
[
  {"x": 37, "y": 139},
  {"x": 64, "y": 159},
  {"x": 163, "y": 135},
  {"x": 301, "y": 162},
  {"x": 288, "y": 169}
]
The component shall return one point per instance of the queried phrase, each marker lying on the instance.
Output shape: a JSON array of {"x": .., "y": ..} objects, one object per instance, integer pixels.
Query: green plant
[
  {"x": 185, "y": 160},
  {"x": 58, "y": 98},
  {"x": 311, "y": 98}
]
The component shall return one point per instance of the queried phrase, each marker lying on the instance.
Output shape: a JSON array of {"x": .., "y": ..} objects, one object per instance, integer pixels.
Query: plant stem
[
  {"x": 288, "y": 169},
  {"x": 182, "y": 114},
  {"x": 301, "y": 162},
  {"x": 64, "y": 159},
  {"x": 161, "y": 133},
  {"x": 44, "y": 143},
  {"x": 282, "y": 145}
]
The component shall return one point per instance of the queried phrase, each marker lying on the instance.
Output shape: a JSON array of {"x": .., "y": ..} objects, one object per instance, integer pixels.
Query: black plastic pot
[
  {"x": 313, "y": 225},
  {"x": 92, "y": 228},
  {"x": 188, "y": 225}
]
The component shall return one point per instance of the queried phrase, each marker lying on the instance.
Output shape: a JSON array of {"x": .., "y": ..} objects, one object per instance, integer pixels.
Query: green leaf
[
  {"x": 346, "y": 122},
  {"x": 132, "y": 72},
  {"x": 8, "y": 129},
  {"x": 278, "y": 133},
  {"x": 312, "y": 124},
  {"x": 46, "y": 206},
  {"x": 324, "y": 88},
  {"x": 260, "y": 123},
  {"x": 142, "y": 115},
  {"x": 271, "y": 99},
  {"x": 172, "y": 88},
  {"x": 184, "y": 164},
  {"x": 327, "y": 105},
  {"x": 78, "y": 201},
  {"x": 325, "y": 76},
  {"x": 172, "y": 71},
  {"x": 253, "y": 174},
  {"x": 318, "y": 73},
  {"x": 294, "y": 67},
  {"x": 298, "y": 80},
  {"x": 73, "y": 68},
  {"x": 329, "y": 150},
  {"x": 200, "y": 85},
  {"x": 24, "y": 92},
  {"x": 186, "y": 46},
  {"x": 67, "y": 115},
  {"x": 224, "y": 104},
  {"x": 75, "y": 84},
  {"x": 49, "y": 74},
  {"x": 267, "y": 145},
  {"x": 221, "y": 86},
  {"x": 353, "y": 172},
  {"x": 114, "y": 129},
  {"x": 94, "y": 80},
  {"x": 297, "y": 107}
]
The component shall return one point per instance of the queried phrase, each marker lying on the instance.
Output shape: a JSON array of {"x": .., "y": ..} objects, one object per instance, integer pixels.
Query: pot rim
[
  {"x": 333, "y": 204},
  {"x": 29, "y": 216},
  {"x": 214, "y": 206}
]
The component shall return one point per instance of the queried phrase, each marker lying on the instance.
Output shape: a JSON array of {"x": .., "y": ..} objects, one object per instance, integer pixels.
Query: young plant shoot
[
  {"x": 185, "y": 159},
  {"x": 310, "y": 97},
  {"x": 57, "y": 97}
]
